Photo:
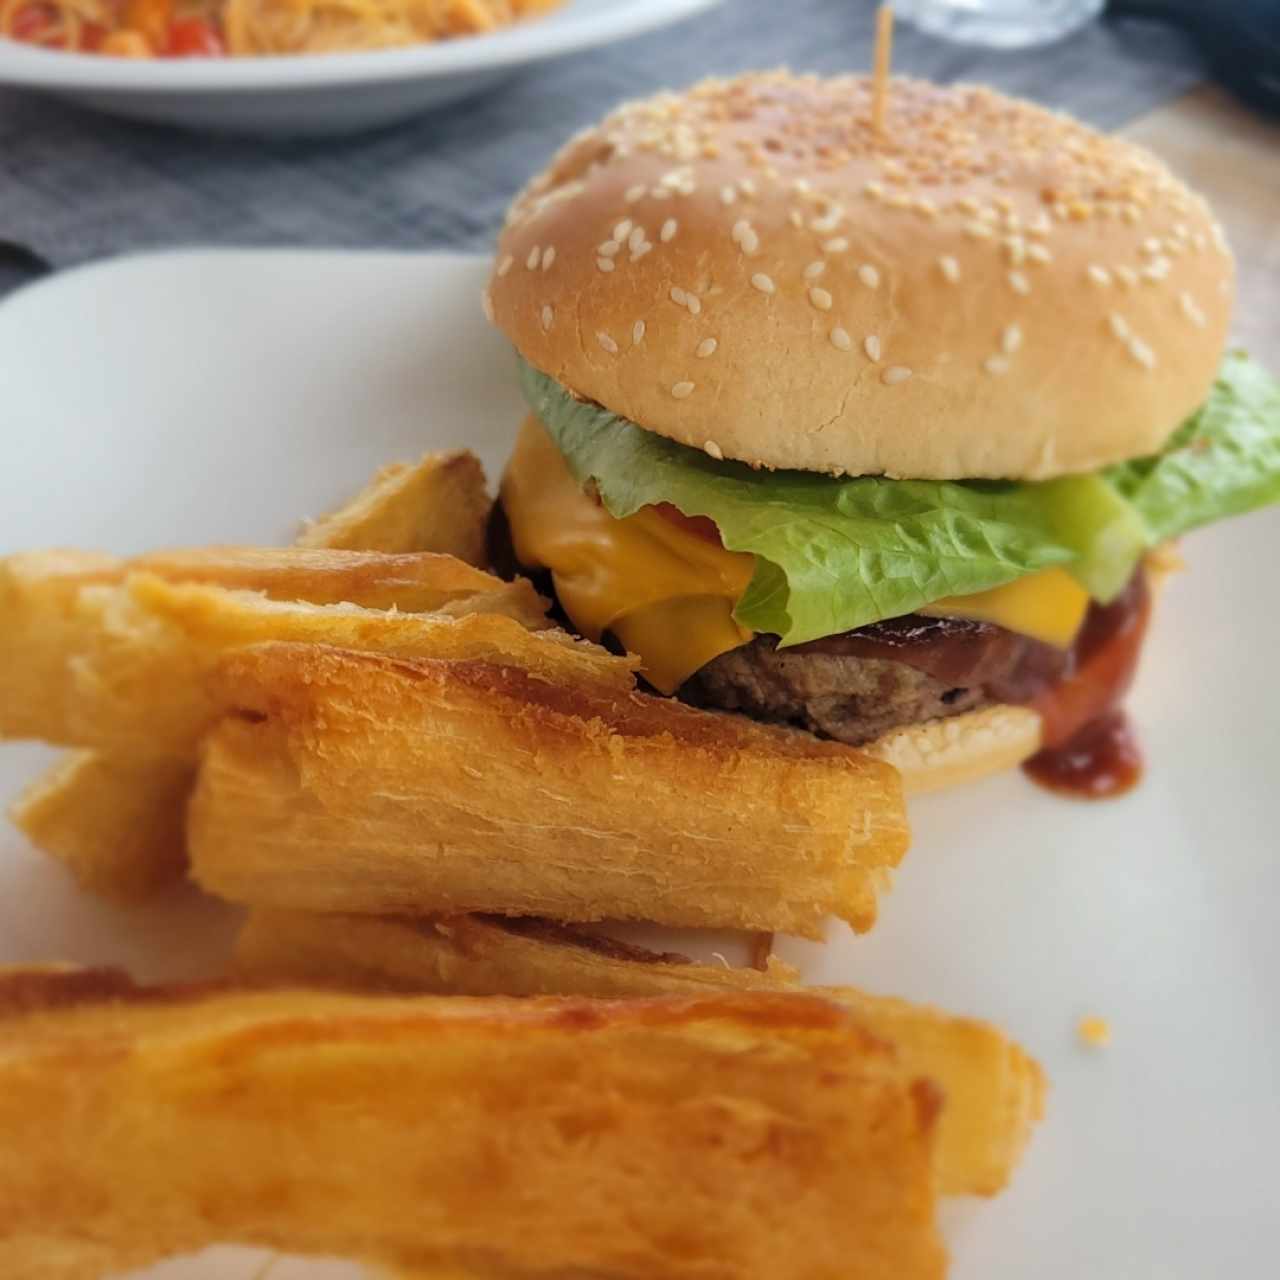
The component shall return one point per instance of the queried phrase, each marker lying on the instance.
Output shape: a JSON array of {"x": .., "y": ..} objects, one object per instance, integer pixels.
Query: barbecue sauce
[
  {"x": 1102, "y": 760},
  {"x": 1090, "y": 749}
]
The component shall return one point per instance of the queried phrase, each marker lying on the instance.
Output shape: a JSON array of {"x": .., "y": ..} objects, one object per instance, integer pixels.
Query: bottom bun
[{"x": 964, "y": 748}]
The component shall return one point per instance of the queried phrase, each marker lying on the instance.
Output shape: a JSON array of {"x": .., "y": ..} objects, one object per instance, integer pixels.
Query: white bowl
[{"x": 326, "y": 94}]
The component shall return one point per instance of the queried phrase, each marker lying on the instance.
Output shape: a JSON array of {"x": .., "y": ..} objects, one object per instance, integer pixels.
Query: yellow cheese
[
  {"x": 668, "y": 595},
  {"x": 1049, "y": 606}
]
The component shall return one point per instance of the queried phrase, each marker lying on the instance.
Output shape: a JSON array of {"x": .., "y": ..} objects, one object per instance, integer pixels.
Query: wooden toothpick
[{"x": 880, "y": 77}]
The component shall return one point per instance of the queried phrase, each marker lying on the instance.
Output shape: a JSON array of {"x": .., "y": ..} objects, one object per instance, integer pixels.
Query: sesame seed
[
  {"x": 978, "y": 230},
  {"x": 840, "y": 339},
  {"x": 1099, "y": 275},
  {"x": 535, "y": 255},
  {"x": 1152, "y": 245},
  {"x": 894, "y": 374},
  {"x": 728, "y": 195},
  {"x": 547, "y": 316},
  {"x": 1191, "y": 310},
  {"x": 1119, "y": 325},
  {"x": 814, "y": 270},
  {"x": 694, "y": 303},
  {"x": 820, "y": 299},
  {"x": 659, "y": 193},
  {"x": 622, "y": 230},
  {"x": 638, "y": 253},
  {"x": 871, "y": 345},
  {"x": 1127, "y": 276},
  {"x": 1040, "y": 225},
  {"x": 968, "y": 204},
  {"x": 1156, "y": 269},
  {"x": 682, "y": 390},
  {"x": 548, "y": 257},
  {"x": 505, "y": 265},
  {"x": 996, "y": 364},
  {"x": 668, "y": 230},
  {"x": 714, "y": 451},
  {"x": 678, "y": 295},
  {"x": 1142, "y": 353},
  {"x": 637, "y": 333},
  {"x": 636, "y": 239},
  {"x": 747, "y": 187},
  {"x": 1016, "y": 250},
  {"x": 869, "y": 276},
  {"x": 1019, "y": 283},
  {"x": 605, "y": 264},
  {"x": 635, "y": 193},
  {"x": 607, "y": 343},
  {"x": 750, "y": 242},
  {"x": 796, "y": 218},
  {"x": 950, "y": 268},
  {"x": 486, "y": 305},
  {"x": 838, "y": 245},
  {"x": 608, "y": 248},
  {"x": 762, "y": 282},
  {"x": 707, "y": 347},
  {"x": 1180, "y": 230},
  {"x": 1039, "y": 254},
  {"x": 874, "y": 189}
]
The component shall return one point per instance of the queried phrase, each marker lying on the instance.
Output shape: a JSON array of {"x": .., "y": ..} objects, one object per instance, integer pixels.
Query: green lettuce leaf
[
  {"x": 1223, "y": 461},
  {"x": 835, "y": 554},
  {"x": 831, "y": 554}
]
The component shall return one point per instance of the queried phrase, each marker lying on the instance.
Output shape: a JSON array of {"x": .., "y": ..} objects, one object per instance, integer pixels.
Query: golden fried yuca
[
  {"x": 994, "y": 1092},
  {"x": 116, "y": 822},
  {"x": 133, "y": 658},
  {"x": 731, "y": 1136},
  {"x": 364, "y": 783},
  {"x": 439, "y": 503}
]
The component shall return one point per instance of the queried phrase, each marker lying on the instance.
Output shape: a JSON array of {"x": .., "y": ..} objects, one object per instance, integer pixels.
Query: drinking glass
[{"x": 1003, "y": 24}]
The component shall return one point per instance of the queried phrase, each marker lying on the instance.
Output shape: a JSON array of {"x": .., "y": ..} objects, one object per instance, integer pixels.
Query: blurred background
[{"x": 421, "y": 145}]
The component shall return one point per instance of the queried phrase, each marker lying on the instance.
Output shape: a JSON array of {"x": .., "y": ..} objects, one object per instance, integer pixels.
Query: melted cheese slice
[{"x": 669, "y": 595}]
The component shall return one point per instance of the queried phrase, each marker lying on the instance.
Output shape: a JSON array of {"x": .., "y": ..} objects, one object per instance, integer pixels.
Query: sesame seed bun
[
  {"x": 986, "y": 290},
  {"x": 948, "y": 753}
]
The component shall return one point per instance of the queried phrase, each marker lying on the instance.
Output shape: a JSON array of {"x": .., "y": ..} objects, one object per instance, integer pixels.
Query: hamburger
[{"x": 881, "y": 433}]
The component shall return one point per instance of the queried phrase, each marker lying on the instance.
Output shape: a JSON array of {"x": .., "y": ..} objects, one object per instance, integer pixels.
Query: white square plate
[{"x": 201, "y": 397}]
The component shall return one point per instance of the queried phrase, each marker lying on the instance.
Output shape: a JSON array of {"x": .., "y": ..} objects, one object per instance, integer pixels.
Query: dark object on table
[
  {"x": 18, "y": 265},
  {"x": 1241, "y": 39}
]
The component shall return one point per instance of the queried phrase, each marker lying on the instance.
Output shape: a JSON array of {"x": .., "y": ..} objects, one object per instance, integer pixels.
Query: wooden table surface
[{"x": 1232, "y": 155}]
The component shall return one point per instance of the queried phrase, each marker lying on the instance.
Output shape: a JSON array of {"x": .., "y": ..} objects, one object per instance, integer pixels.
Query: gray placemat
[{"x": 75, "y": 186}]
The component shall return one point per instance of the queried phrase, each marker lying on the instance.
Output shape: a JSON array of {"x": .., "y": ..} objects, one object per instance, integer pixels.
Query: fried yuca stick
[
  {"x": 994, "y": 1092},
  {"x": 118, "y": 824},
  {"x": 133, "y": 658},
  {"x": 58, "y": 608},
  {"x": 116, "y": 821},
  {"x": 361, "y": 783},
  {"x": 439, "y": 503},
  {"x": 758, "y": 1135}
]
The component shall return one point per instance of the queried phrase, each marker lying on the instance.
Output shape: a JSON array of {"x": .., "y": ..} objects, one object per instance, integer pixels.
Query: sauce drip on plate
[{"x": 1090, "y": 750}]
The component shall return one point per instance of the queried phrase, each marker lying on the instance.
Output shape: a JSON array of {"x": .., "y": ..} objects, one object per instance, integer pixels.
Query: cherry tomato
[
  {"x": 32, "y": 23},
  {"x": 194, "y": 38}
]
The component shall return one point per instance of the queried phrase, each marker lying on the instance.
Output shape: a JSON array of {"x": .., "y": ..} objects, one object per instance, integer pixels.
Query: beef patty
[{"x": 861, "y": 684}]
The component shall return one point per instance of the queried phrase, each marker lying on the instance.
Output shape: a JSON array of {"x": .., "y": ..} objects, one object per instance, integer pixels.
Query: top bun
[{"x": 984, "y": 290}]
